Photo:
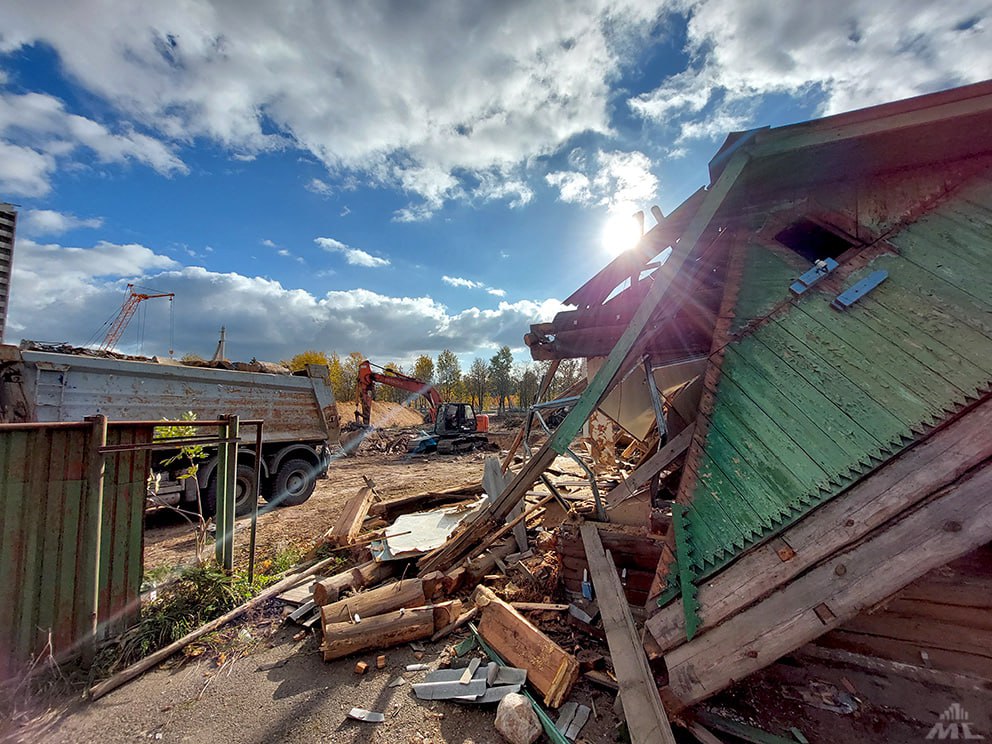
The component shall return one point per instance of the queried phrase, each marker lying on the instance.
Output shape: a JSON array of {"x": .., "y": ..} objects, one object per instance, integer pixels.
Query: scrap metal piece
[
  {"x": 368, "y": 716},
  {"x": 448, "y": 690},
  {"x": 856, "y": 291},
  {"x": 492, "y": 695}
]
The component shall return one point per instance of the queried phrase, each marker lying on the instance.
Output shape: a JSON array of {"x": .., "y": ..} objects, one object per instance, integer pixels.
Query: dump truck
[{"x": 301, "y": 425}]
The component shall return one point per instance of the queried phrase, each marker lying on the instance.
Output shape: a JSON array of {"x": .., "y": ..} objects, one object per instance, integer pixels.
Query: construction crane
[{"x": 128, "y": 309}]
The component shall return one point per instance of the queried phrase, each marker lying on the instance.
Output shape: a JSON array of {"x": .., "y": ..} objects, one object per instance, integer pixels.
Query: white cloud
[
  {"x": 354, "y": 256},
  {"x": 457, "y": 281},
  {"x": 38, "y": 222},
  {"x": 854, "y": 52},
  {"x": 269, "y": 243},
  {"x": 319, "y": 187},
  {"x": 264, "y": 319},
  {"x": 452, "y": 92},
  {"x": 619, "y": 181},
  {"x": 36, "y": 130}
]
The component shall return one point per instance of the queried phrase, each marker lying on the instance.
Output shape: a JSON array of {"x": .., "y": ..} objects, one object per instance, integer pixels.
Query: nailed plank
[
  {"x": 953, "y": 523},
  {"x": 901, "y": 482},
  {"x": 550, "y": 669},
  {"x": 646, "y": 718},
  {"x": 383, "y": 631}
]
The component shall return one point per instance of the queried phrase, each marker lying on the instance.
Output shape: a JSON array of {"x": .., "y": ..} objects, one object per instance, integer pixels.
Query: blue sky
[{"x": 396, "y": 178}]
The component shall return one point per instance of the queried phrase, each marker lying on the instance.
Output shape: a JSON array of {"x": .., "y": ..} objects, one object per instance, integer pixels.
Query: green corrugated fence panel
[
  {"x": 810, "y": 400},
  {"x": 48, "y": 546}
]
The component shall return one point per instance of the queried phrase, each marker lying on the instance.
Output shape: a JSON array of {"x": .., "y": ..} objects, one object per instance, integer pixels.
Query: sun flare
[{"x": 621, "y": 232}]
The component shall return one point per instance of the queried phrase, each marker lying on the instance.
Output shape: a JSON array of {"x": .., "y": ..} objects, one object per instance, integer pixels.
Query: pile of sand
[{"x": 384, "y": 415}]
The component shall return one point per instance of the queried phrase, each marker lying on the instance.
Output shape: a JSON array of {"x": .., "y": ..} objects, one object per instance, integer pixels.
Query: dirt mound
[{"x": 384, "y": 415}]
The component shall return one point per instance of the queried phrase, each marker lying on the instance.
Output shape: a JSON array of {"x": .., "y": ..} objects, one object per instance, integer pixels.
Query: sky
[{"x": 396, "y": 178}]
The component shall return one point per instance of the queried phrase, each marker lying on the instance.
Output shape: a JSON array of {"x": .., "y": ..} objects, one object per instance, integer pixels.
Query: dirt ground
[{"x": 169, "y": 540}]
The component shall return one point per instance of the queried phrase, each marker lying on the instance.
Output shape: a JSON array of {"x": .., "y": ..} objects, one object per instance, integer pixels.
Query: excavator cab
[{"x": 455, "y": 418}]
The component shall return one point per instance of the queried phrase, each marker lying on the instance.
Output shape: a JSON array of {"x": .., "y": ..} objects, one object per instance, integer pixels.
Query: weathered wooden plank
[
  {"x": 550, "y": 669},
  {"x": 955, "y": 522},
  {"x": 900, "y": 483},
  {"x": 647, "y": 721},
  {"x": 349, "y": 522},
  {"x": 904, "y": 652},
  {"x": 378, "y": 601}
]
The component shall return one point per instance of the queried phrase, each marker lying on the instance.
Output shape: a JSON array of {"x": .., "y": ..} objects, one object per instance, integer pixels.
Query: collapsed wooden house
[{"x": 820, "y": 339}]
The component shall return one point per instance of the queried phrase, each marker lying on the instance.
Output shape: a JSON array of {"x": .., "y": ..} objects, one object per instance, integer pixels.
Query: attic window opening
[{"x": 813, "y": 241}]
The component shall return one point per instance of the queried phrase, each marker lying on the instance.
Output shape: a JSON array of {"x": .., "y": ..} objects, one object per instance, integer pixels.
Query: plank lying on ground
[
  {"x": 404, "y": 593},
  {"x": 954, "y": 522},
  {"x": 550, "y": 669},
  {"x": 389, "y": 510},
  {"x": 644, "y": 472},
  {"x": 900, "y": 483},
  {"x": 646, "y": 718},
  {"x": 328, "y": 590},
  {"x": 350, "y": 521},
  {"x": 390, "y": 629},
  {"x": 126, "y": 675}
]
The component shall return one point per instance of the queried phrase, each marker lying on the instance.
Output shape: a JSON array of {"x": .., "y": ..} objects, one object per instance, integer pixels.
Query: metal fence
[{"x": 71, "y": 537}]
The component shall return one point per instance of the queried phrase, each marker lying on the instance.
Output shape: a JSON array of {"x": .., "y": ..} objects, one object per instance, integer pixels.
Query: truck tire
[
  {"x": 294, "y": 483},
  {"x": 244, "y": 492}
]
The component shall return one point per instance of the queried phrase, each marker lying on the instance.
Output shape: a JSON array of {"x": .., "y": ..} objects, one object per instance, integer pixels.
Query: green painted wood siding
[
  {"x": 50, "y": 558},
  {"x": 812, "y": 400}
]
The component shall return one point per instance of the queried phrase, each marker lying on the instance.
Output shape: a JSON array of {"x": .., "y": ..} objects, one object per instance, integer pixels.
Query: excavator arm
[{"x": 367, "y": 378}]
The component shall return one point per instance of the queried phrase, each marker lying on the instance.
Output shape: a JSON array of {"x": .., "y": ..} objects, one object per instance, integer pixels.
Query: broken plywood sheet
[{"x": 415, "y": 534}]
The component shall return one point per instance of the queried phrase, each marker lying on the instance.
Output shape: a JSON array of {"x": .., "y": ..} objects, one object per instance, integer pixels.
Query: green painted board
[{"x": 765, "y": 280}]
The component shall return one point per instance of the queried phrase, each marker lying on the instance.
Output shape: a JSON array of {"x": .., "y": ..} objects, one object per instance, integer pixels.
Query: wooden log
[
  {"x": 328, "y": 590},
  {"x": 351, "y": 519},
  {"x": 905, "y": 480},
  {"x": 404, "y": 593},
  {"x": 647, "y": 721},
  {"x": 550, "y": 669},
  {"x": 433, "y": 584},
  {"x": 956, "y": 521},
  {"x": 389, "y": 510},
  {"x": 381, "y": 631},
  {"x": 487, "y": 562},
  {"x": 445, "y": 613}
]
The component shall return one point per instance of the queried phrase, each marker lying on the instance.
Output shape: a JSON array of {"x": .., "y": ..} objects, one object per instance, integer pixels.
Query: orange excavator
[{"x": 457, "y": 428}]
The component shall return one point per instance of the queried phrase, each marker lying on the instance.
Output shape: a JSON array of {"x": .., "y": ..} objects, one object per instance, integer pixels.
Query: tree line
[{"x": 494, "y": 384}]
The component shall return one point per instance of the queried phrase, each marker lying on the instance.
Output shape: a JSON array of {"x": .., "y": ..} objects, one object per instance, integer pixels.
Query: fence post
[
  {"x": 227, "y": 470},
  {"x": 93, "y": 537}
]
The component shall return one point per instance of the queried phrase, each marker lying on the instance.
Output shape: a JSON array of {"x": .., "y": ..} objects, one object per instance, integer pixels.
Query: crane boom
[
  {"x": 128, "y": 309},
  {"x": 366, "y": 385}
]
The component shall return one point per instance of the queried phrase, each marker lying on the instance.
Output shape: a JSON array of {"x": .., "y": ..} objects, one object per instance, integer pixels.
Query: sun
[{"x": 621, "y": 232}]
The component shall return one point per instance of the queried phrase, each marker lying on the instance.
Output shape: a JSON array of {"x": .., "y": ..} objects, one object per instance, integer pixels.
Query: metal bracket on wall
[
  {"x": 811, "y": 277},
  {"x": 690, "y": 604},
  {"x": 855, "y": 292}
]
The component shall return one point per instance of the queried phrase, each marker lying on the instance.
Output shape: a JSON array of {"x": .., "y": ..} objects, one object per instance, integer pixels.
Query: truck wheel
[
  {"x": 294, "y": 483},
  {"x": 244, "y": 492}
]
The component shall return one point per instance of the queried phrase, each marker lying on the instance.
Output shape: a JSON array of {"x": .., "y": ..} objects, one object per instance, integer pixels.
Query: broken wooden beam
[
  {"x": 404, "y": 593},
  {"x": 351, "y": 519},
  {"x": 642, "y": 475},
  {"x": 329, "y": 590},
  {"x": 550, "y": 669},
  {"x": 647, "y": 721},
  {"x": 383, "y": 631}
]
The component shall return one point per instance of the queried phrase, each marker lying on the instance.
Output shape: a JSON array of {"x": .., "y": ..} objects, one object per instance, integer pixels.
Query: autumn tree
[
  {"x": 569, "y": 372},
  {"x": 310, "y": 356},
  {"x": 349, "y": 370},
  {"x": 501, "y": 376},
  {"x": 335, "y": 374},
  {"x": 476, "y": 383},
  {"x": 423, "y": 369},
  {"x": 448, "y": 374}
]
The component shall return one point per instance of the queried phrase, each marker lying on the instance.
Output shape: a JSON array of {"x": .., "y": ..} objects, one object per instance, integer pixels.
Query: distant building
[{"x": 8, "y": 221}]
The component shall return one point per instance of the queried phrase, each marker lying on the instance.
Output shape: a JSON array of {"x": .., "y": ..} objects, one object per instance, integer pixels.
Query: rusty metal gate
[{"x": 71, "y": 537}]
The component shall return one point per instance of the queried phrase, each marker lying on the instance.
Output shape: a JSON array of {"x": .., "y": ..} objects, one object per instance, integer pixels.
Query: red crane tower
[{"x": 128, "y": 310}]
